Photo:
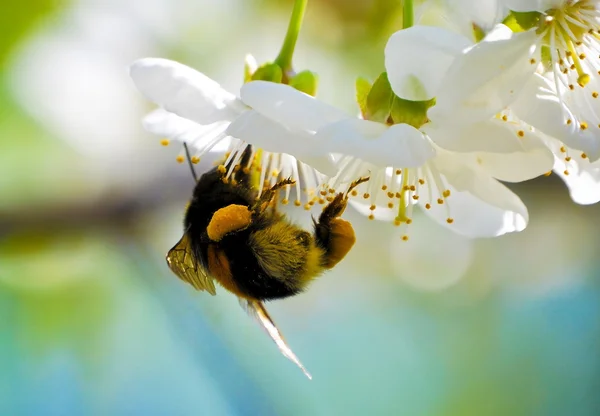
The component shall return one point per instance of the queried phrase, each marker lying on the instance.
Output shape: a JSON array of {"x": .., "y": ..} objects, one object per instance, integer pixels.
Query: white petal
[
  {"x": 184, "y": 91},
  {"x": 166, "y": 124},
  {"x": 266, "y": 134},
  {"x": 496, "y": 147},
  {"x": 417, "y": 58},
  {"x": 376, "y": 143},
  {"x": 532, "y": 5},
  {"x": 539, "y": 106},
  {"x": 517, "y": 166},
  {"x": 583, "y": 178},
  {"x": 479, "y": 205},
  {"x": 288, "y": 106},
  {"x": 485, "y": 79}
]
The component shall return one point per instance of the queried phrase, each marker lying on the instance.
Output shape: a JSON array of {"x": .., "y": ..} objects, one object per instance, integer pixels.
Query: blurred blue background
[{"x": 93, "y": 323}]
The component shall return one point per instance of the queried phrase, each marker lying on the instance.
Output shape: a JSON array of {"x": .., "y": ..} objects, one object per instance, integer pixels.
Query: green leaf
[
  {"x": 268, "y": 72},
  {"x": 305, "y": 81},
  {"x": 363, "y": 86},
  {"x": 409, "y": 112},
  {"x": 379, "y": 100}
]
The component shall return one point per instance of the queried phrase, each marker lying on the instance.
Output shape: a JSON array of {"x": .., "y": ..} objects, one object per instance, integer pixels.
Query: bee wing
[
  {"x": 259, "y": 312},
  {"x": 183, "y": 263}
]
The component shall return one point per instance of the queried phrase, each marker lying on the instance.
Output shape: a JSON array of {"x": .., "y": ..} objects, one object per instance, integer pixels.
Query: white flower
[
  {"x": 568, "y": 40},
  {"x": 405, "y": 167},
  {"x": 196, "y": 110},
  {"x": 446, "y": 165}
]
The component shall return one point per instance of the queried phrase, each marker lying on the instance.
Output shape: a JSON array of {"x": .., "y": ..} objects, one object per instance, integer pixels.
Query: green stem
[
  {"x": 408, "y": 14},
  {"x": 284, "y": 59}
]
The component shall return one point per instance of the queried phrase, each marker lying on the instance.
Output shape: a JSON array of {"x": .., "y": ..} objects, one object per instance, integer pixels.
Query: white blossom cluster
[{"x": 506, "y": 92}]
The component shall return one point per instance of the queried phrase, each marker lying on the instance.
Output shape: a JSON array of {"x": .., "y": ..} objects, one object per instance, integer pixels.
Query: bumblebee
[{"x": 238, "y": 238}]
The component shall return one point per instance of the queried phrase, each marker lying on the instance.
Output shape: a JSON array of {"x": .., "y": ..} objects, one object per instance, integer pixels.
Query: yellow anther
[
  {"x": 221, "y": 169},
  {"x": 413, "y": 188},
  {"x": 568, "y": 159},
  {"x": 408, "y": 221},
  {"x": 583, "y": 125},
  {"x": 397, "y": 222},
  {"x": 569, "y": 121},
  {"x": 449, "y": 220},
  {"x": 321, "y": 201},
  {"x": 306, "y": 207},
  {"x": 566, "y": 172},
  {"x": 504, "y": 118},
  {"x": 297, "y": 202},
  {"x": 563, "y": 149},
  {"x": 366, "y": 195},
  {"x": 354, "y": 192},
  {"x": 390, "y": 205},
  {"x": 398, "y": 171},
  {"x": 520, "y": 133},
  {"x": 584, "y": 156},
  {"x": 180, "y": 159},
  {"x": 532, "y": 61},
  {"x": 383, "y": 187},
  {"x": 422, "y": 181},
  {"x": 404, "y": 238},
  {"x": 165, "y": 142},
  {"x": 372, "y": 207},
  {"x": 446, "y": 193},
  {"x": 195, "y": 160},
  {"x": 285, "y": 201},
  {"x": 583, "y": 79},
  {"x": 415, "y": 197},
  {"x": 548, "y": 173},
  {"x": 427, "y": 206},
  {"x": 595, "y": 94},
  {"x": 440, "y": 201},
  {"x": 371, "y": 217},
  {"x": 323, "y": 192}
]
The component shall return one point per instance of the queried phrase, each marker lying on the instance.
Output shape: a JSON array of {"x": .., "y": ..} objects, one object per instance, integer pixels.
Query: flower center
[
  {"x": 391, "y": 193},
  {"x": 570, "y": 40},
  {"x": 571, "y": 31}
]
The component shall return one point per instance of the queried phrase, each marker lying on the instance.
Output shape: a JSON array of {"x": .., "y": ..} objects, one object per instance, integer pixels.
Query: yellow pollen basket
[{"x": 228, "y": 219}]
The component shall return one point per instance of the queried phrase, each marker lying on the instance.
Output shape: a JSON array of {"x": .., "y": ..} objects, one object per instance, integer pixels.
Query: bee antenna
[{"x": 189, "y": 159}]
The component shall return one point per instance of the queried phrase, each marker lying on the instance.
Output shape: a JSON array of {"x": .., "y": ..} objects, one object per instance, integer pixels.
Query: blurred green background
[{"x": 93, "y": 323}]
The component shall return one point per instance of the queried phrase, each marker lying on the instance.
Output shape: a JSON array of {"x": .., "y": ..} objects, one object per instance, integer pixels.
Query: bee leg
[
  {"x": 334, "y": 234},
  {"x": 265, "y": 199}
]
